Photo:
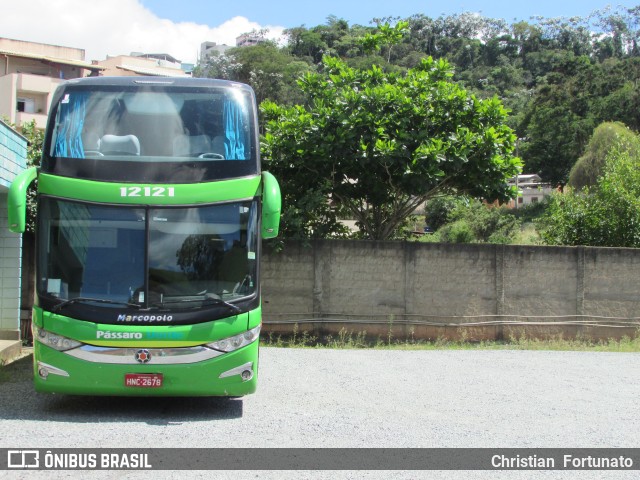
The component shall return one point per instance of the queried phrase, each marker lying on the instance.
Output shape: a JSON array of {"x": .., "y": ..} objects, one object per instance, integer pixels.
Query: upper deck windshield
[{"x": 152, "y": 133}]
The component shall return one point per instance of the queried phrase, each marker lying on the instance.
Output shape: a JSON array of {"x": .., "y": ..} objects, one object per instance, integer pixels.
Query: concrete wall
[
  {"x": 13, "y": 153},
  {"x": 429, "y": 290}
]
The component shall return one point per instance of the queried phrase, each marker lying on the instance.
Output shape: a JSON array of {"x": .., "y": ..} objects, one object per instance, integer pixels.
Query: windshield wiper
[
  {"x": 205, "y": 302},
  {"x": 219, "y": 301},
  {"x": 71, "y": 301}
]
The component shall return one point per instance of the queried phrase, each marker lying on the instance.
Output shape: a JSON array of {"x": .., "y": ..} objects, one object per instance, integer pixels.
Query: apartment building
[
  {"x": 30, "y": 73},
  {"x": 154, "y": 64},
  {"x": 208, "y": 49}
]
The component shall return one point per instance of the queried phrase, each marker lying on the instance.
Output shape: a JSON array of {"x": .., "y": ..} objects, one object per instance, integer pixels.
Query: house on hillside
[{"x": 531, "y": 190}]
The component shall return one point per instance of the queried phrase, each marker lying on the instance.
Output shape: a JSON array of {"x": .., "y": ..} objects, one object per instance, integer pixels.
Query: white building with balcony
[
  {"x": 531, "y": 190},
  {"x": 30, "y": 73},
  {"x": 249, "y": 39}
]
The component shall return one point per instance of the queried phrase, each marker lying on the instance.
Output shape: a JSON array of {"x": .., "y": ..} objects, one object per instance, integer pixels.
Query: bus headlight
[
  {"x": 237, "y": 341},
  {"x": 54, "y": 340}
]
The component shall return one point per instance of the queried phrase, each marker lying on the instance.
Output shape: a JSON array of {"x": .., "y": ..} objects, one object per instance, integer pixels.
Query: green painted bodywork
[
  {"x": 17, "y": 201},
  {"x": 148, "y": 194},
  {"x": 201, "y": 378},
  {"x": 194, "y": 379},
  {"x": 153, "y": 336},
  {"x": 184, "y": 194},
  {"x": 88, "y": 378},
  {"x": 271, "y": 204}
]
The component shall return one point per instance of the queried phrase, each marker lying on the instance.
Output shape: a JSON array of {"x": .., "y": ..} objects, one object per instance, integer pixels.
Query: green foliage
[
  {"x": 306, "y": 44},
  {"x": 438, "y": 210},
  {"x": 559, "y": 77},
  {"x": 605, "y": 215},
  {"x": 270, "y": 71},
  {"x": 588, "y": 168},
  {"x": 381, "y": 143},
  {"x": 35, "y": 139},
  {"x": 532, "y": 212},
  {"x": 457, "y": 232},
  {"x": 569, "y": 103},
  {"x": 386, "y": 36},
  {"x": 476, "y": 222}
]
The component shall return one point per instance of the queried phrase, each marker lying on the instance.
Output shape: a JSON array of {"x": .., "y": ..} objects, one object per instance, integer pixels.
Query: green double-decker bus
[{"x": 151, "y": 210}]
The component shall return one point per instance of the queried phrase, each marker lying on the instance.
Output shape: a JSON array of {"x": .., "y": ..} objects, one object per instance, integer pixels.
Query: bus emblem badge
[{"x": 143, "y": 356}]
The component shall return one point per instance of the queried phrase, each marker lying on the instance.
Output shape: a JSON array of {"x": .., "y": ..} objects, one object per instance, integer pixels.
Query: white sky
[{"x": 114, "y": 27}]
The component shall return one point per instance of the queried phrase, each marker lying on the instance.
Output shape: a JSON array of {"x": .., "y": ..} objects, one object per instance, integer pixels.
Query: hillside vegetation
[{"x": 558, "y": 79}]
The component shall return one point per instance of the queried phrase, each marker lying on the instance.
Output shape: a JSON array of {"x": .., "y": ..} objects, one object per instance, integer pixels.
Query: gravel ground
[{"x": 356, "y": 398}]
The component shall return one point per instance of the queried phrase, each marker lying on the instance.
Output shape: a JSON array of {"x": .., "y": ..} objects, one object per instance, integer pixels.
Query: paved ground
[{"x": 355, "y": 399}]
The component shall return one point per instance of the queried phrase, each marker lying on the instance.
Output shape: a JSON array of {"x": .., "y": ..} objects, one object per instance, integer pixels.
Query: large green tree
[{"x": 379, "y": 144}]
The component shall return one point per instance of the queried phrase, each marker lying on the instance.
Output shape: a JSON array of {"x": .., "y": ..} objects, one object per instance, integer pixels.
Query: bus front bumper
[{"x": 230, "y": 374}]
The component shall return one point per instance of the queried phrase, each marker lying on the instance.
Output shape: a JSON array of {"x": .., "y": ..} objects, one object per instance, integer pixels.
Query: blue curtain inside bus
[
  {"x": 235, "y": 140},
  {"x": 69, "y": 136},
  {"x": 71, "y": 120}
]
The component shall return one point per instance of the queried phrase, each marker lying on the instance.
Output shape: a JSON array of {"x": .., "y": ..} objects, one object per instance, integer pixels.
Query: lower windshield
[{"x": 193, "y": 257}]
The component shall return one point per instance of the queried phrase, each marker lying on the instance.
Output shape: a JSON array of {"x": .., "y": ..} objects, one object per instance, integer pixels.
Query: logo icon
[
  {"x": 23, "y": 459},
  {"x": 143, "y": 356}
]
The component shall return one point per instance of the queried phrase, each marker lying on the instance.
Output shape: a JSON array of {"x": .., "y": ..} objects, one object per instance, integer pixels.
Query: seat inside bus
[{"x": 119, "y": 145}]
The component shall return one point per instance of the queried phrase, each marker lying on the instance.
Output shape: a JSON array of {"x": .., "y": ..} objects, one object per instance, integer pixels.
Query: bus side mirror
[
  {"x": 271, "y": 203},
  {"x": 17, "y": 201}
]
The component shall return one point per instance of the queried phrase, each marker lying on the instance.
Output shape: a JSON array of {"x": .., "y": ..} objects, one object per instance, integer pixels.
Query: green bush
[
  {"x": 607, "y": 136},
  {"x": 475, "y": 222},
  {"x": 438, "y": 210},
  {"x": 457, "y": 232},
  {"x": 606, "y": 215}
]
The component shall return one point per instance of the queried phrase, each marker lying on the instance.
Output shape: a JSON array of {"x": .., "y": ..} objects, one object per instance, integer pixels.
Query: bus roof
[{"x": 156, "y": 81}]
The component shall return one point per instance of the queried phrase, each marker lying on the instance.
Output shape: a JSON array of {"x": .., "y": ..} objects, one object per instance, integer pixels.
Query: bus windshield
[
  {"x": 193, "y": 257},
  {"x": 152, "y": 132}
]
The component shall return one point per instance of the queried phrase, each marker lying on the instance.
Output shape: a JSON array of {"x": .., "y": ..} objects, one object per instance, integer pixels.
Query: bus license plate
[{"x": 143, "y": 380}]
